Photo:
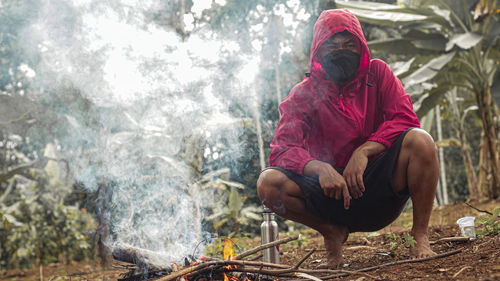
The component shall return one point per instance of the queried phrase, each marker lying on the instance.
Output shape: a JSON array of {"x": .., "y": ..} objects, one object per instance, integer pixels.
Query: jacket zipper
[
  {"x": 341, "y": 101},
  {"x": 346, "y": 109}
]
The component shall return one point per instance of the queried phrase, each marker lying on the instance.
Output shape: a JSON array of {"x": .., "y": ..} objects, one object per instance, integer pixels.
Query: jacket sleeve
[
  {"x": 395, "y": 106},
  {"x": 288, "y": 146}
]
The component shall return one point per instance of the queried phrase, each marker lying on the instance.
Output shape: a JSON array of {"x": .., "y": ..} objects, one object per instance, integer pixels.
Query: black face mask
[{"x": 341, "y": 65}]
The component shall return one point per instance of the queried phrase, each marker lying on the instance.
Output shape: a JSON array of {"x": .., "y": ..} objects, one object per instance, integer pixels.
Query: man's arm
[
  {"x": 288, "y": 146},
  {"x": 394, "y": 106},
  {"x": 353, "y": 172},
  {"x": 333, "y": 184}
]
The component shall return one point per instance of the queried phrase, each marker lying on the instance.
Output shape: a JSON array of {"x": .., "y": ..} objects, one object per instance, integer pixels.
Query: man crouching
[{"x": 348, "y": 152}]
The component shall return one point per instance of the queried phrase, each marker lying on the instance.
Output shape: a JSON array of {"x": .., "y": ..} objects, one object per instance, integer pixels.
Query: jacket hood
[{"x": 329, "y": 23}]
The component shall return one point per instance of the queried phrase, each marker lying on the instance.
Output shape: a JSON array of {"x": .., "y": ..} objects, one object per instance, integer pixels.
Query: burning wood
[
  {"x": 235, "y": 268},
  {"x": 141, "y": 257}
]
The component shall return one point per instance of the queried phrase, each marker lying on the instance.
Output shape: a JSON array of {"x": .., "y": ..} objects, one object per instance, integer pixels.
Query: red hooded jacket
[{"x": 321, "y": 122}]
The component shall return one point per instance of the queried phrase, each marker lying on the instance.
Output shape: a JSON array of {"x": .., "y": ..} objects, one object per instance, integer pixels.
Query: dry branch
[
  {"x": 216, "y": 264},
  {"x": 412, "y": 260},
  {"x": 265, "y": 246},
  {"x": 256, "y": 267},
  {"x": 304, "y": 258},
  {"x": 451, "y": 239},
  {"x": 460, "y": 271},
  {"x": 479, "y": 210},
  {"x": 130, "y": 254}
]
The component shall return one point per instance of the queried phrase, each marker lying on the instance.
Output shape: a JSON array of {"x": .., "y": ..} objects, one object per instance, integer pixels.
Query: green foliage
[
  {"x": 488, "y": 225},
  {"x": 4, "y": 222},
  {"x": 233, "y": 213},
  {"x": 38, "y": 225},
  {"x": 396, "y": 240}
]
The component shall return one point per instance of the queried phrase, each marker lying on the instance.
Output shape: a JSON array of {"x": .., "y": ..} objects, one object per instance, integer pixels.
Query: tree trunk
[
  {"x": 442, "y": 170},
  {"x": 490, "y": 129},
  {"x": 260, "y": 140},
  {"x": 278, "y": 84},
  {"x": 103, "y": 219},
  {"x": 484, "y": 185},
  {"x": 466, "y": 157}
]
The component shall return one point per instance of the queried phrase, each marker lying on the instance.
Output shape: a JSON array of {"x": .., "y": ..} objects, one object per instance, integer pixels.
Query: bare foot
[
  {"x": 333, "y": 244},
  {"x": 422, "y": 249}
]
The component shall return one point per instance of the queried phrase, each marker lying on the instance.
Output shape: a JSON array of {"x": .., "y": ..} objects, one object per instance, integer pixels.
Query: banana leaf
[
  {"x": 401, "y": 67},
  {"x": 429, "y": 100},
  {"x": 387, "y": 18},
  {"x": 392, "y": 15},
  {"x": 427, "y": 121},
  {"x": 428, "y": 71},
  {"x": 464, "y": 40},
  {"x": 393, "y": 46}
]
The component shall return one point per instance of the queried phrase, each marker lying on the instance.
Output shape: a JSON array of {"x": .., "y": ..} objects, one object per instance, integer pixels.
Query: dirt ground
[{"x": 477, "y": 260}]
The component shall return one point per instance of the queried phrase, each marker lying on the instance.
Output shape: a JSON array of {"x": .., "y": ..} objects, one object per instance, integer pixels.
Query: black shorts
[{"x": 380, "y": 204}]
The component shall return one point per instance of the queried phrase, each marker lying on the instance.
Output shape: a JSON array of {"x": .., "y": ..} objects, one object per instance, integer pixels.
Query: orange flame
[{"x": 229, "y": 255}]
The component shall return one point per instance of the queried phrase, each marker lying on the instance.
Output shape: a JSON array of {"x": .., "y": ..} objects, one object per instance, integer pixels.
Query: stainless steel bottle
[{"x": 269, "y": 233}]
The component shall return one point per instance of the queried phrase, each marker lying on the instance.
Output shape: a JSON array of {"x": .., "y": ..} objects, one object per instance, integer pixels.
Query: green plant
[
  {"x": 395, "y": 240},
  {"x": 489, "y": 225},
  {"x": 4, "y": 222}
]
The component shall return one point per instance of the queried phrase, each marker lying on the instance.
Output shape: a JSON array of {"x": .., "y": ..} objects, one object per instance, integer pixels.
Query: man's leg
[
  {"x": 286, "y": 199},
  {"x": 417, "y": 167}
]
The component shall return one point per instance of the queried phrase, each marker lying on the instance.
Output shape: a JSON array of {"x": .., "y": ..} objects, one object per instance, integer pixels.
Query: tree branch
[
  {"x": 265, "y": 246},
  {"x": 479, "y": 210}
]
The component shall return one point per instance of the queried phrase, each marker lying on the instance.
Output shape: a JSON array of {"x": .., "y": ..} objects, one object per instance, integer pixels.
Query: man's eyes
[{"x": 337, "y": 46}]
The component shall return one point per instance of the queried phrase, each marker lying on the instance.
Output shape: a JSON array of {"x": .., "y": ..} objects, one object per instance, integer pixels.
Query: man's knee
[
  {"x": 421, "y": 144},
  {"x": 270, "y": 181}
]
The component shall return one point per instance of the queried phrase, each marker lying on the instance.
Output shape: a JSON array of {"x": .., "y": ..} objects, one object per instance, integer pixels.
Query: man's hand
[
  {"x": 333, "y": 184},
  {"x": 353, "y": 172}
]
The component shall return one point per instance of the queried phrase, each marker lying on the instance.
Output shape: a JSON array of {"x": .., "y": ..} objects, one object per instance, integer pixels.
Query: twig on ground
[
  {"x": 347, "y": 273},
  {"x": 291, "y": 272},
  {"x": 305, "y": 275},
  {"x": 393, "y": 263},
  {"x": 460, "y": 271},
  {"x": 412, "y": 260},
  {"x": 304, "y": 259},
  {"x": 361, "y": 247},
  {"x": 265, "y": 246},
  {"x": 479, "y": 210},
  {"x": 450, "y": 239}
]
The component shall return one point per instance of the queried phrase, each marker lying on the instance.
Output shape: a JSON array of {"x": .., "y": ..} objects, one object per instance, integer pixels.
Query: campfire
[{"x": 242, "y": 267}]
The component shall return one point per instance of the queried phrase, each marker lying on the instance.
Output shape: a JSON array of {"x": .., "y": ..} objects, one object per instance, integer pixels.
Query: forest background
[{"x": 147, "y": 123}]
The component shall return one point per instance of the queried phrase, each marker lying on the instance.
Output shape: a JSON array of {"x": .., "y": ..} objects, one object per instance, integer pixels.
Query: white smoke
[{"x": 159, "y": 91}]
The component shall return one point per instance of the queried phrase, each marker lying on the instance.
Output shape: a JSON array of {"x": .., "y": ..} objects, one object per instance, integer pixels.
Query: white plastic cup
[{"x": 467, "y": 228}]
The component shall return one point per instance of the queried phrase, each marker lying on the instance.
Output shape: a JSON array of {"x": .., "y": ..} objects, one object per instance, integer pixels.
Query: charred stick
[
  {"x": 130, "y": 254},
  {"x": 265, "y": 246}
]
